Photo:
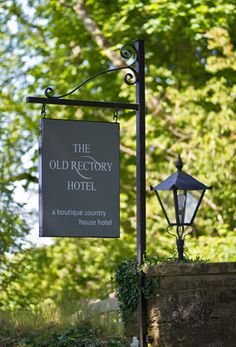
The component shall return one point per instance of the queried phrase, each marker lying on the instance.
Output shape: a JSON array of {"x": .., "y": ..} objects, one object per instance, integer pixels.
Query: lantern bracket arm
[
  {"x": 127, "y": 51},
  {"x": 167, "y": 229}
]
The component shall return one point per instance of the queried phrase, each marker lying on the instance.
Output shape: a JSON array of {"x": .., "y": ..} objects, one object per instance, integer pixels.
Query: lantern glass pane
[
  {"x": 191, "y": 205},
  {"x": 181, "y": 198},
  {"x": 167, "y": 200}
]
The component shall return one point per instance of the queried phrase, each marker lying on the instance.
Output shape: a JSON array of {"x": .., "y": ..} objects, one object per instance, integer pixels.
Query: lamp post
[{"x": 180, "y": 196}]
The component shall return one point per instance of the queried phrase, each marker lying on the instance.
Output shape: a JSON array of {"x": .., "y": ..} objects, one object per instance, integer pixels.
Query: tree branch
[
  {"x": 20, "y": 177},
  {"x": 127, "y": 150},
  {"x": 96, "y": 33}
]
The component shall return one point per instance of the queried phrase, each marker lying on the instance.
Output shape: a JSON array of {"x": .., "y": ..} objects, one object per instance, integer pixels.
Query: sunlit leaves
[{"x": 190, "y": 101}]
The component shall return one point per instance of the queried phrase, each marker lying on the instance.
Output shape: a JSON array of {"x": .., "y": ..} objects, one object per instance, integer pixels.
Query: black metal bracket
[
  {"x": 134, "y": 51},
  {"x": 75, "y": 102},
  {"x": 127, "y": 52}
]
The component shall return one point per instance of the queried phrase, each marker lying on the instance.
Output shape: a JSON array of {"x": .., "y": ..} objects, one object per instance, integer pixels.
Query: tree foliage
[{"x": 190, "y": 101}]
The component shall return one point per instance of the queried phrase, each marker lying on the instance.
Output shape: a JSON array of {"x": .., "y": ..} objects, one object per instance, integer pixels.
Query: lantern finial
[{"x": 179, "y": 163}]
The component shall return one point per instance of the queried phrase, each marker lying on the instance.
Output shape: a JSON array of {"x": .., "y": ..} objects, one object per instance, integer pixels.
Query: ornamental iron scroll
[{"x": 127, "y": 52}]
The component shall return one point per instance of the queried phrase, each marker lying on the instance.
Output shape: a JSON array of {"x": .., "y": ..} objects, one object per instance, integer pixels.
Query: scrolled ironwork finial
[
  {"x": 49, "y": 92},
  {"x": 179, "y": 163},
  {"x": 131, "y": 77},
  {"x": 129, "y": 51}
]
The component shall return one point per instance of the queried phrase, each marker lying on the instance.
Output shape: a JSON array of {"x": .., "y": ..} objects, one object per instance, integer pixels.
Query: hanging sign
[{"x": 79, "y": 179}]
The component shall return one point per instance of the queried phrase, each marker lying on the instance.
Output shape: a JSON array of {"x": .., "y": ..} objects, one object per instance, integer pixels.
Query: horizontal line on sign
[{"x": 74, "y": 102}]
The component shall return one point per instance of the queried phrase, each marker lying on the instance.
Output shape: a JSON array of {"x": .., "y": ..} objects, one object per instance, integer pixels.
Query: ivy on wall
[{"x": 130, "y": 282}]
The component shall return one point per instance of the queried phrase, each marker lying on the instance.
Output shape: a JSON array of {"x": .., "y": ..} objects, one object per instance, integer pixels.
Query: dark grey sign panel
[{"x": 79, "y": 179}]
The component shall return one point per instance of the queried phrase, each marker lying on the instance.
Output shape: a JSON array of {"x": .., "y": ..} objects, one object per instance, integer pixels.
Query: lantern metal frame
[{"x": 180, "y": 181}]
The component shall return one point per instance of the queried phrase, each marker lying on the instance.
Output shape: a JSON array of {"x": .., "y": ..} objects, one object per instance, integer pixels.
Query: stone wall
[{"x": 194, "y": 306}]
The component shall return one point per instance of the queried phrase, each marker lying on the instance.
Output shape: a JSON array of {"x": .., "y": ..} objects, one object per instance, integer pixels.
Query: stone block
[{"x": 194, "y": 305}]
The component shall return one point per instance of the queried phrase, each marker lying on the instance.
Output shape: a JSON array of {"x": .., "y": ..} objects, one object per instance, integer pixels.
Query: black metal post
[
  {"x": 141, "y": 182},
  {"x": 180, "y": 249}
]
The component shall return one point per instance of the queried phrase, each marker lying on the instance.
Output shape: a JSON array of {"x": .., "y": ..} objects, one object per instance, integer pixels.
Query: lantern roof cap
[{"x": 181, "y": 180}]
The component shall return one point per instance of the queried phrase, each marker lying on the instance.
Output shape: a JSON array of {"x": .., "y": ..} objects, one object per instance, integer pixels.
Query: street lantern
[{"x": 180, "y": 196}]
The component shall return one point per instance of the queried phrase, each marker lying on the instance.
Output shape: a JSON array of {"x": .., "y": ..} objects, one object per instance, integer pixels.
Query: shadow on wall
[{"x": 194, "y": 306}]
